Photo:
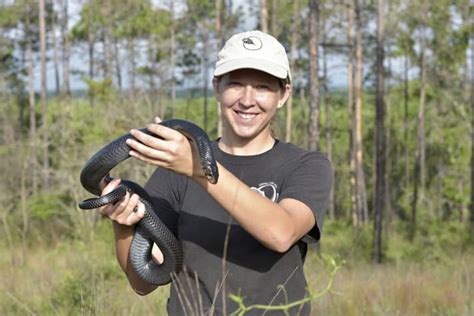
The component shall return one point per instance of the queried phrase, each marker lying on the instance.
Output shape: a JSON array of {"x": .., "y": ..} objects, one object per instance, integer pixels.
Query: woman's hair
[
  {"x": 281, "y": 82},
  {"x": 284, "y": 82}
]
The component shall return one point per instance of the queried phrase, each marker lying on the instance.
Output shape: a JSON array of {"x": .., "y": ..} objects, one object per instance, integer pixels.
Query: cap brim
[{"x": 257, "y": 64}]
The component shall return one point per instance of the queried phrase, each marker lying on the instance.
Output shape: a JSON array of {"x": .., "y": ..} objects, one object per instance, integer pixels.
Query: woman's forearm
[
  {"x": 123, "y": 239},
  {"x": 272, "y": 224}
]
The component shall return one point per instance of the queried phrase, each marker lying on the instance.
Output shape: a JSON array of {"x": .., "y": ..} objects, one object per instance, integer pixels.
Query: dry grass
[
  {"x": 428, "y": 288},
  {"x": 70, "y": 279},
  {"x": 81, "y": 277}
]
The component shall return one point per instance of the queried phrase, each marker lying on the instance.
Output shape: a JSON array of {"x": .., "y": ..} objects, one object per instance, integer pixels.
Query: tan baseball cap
[{"x": 254, "y": 50}]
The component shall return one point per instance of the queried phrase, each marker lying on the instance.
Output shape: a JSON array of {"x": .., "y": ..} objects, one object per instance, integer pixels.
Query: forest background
[{"x": 396, "y": 122}]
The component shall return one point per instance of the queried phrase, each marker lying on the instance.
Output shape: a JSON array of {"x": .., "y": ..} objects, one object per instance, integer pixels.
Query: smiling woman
[
  {"x": 246, "y": 234},
  {"x": 249, "y": 100}
]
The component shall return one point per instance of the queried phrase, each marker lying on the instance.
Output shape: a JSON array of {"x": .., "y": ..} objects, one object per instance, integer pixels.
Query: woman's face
[{"x": 249, "y": 99}]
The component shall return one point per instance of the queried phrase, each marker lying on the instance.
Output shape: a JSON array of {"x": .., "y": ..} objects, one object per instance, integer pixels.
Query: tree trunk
[
  {"x": 303, "y": 103},
  {"x": 294, "y": 46},
  {"x": 66, "y": 48},
  {"x": 152, "y": 73},
  {"x": 172, "y": 60},
  {"x": 414, "y": 201},
  {"x": 351, "y": 105},
  {"x": 421, "y": 124},
  {"x": 133, "y": 64},
  {"x": 55, "y": 54},
  {"x": 32, "y": 102},
  {"x": 118, "y": 68},
  {"x": 108, "y": 41},
  {"x": 219, "y": 44},
  {"x": 23, "y": 197},
  {"x": 91, "y": 44},
  {"x": 472, "y": 133},
  {"x": 331, "y": 208},
  {"x": 23, "y": 64},
  {"x": 439, "y": 200},
  {"x": 314, "y": 110},
  {"x": 44, "y": 92},
  {"x": 107, "y": 54},
  {"x": 274, "y": 31},
  {"x": 418, "y": 179},
  {"x": 379, "y": 136},
  {"x": 361, "y": 198},
  {"x": 263, "y": 16},
  {"x": 388, "y": 145},
  {"x": 8, "y": 123},
  {"x": 205, "y": 74},
  {"x": 405, "y": 121}
]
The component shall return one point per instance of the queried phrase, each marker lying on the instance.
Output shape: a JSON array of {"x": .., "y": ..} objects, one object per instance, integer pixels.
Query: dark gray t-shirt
[{"x": 255, "y": 273}]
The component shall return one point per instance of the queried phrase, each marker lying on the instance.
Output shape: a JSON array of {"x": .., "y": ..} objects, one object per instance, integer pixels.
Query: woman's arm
[
  {"x": 124, "y": 216},
  {"x": 276, "y": 225}
]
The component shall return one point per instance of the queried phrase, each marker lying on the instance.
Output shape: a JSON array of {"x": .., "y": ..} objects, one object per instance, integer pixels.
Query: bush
[{"x": 50, "y": 218}]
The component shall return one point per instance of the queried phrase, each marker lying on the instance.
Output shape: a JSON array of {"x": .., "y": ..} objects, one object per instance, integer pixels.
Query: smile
[{"x": 246, "y": 116}]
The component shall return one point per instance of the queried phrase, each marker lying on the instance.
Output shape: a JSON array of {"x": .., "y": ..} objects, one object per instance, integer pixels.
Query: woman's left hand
[{"x": 169, "y": 149}]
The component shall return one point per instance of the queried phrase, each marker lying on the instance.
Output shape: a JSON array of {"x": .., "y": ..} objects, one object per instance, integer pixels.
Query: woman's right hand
[{"x": 128, "y": 211}]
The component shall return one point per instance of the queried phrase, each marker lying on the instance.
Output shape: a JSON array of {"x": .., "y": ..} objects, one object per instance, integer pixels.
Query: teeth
[{"x": 246, "y": 116}]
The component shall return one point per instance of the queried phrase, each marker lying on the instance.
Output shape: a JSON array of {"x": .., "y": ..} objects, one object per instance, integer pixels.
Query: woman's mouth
[{"x": 245, "y": 115}]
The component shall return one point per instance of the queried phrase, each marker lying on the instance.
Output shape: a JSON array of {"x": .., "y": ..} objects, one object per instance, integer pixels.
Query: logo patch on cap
[{"x": 252, "y": 43}]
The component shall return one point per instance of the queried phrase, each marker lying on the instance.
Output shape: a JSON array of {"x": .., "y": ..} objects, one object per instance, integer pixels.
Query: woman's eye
[
  {"x": 263, "y": 87},
  {"x": 234, "y": 83}
]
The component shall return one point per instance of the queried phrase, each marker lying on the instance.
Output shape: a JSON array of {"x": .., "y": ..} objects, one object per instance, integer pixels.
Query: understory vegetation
[
  {"x": 56, "y": 259},
  {"x": 80, "y": 276}
]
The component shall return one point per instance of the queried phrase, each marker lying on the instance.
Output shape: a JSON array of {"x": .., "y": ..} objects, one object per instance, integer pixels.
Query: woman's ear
[{"x": 286, "y": 92}]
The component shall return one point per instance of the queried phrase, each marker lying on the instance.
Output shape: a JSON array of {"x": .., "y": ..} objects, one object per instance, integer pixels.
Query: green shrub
[
  {"x": 74, "y": 294},
  {"x": 50, "y": 218}
]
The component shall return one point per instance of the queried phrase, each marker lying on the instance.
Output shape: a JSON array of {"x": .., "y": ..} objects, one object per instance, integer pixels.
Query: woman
[{"x": 245, "y": 235}]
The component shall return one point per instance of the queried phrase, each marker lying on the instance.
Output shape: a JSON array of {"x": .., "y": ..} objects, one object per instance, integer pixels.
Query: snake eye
[
  {"x": 211, "y": 179},
  {"x": 210, "y": 175}
]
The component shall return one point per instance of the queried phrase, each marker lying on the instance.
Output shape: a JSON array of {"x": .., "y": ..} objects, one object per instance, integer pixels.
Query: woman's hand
[
  {"x": 169, "y": 149},
  {"x": 127, "y": 211}
]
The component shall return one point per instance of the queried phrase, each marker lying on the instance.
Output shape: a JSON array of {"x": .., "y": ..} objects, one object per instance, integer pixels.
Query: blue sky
[{"x": 337, "y": 64}]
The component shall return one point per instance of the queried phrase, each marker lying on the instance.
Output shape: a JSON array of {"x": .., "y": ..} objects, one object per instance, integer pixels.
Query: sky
[{"x": 79, "y": 60}]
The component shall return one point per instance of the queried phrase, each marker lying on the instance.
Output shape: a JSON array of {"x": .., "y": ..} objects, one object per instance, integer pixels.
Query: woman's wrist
[
  {"x": 122, "y": 231},
  {"x": 200, "y": 179}
]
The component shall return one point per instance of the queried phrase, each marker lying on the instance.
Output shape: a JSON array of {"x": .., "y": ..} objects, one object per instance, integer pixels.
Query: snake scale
[{"x": 149, "y": 229}]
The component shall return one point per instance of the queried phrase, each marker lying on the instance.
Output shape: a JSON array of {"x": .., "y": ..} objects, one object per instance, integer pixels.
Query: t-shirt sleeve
[
  {"x": 165, "y": 189},
  {"x": 310, "y": 182}
]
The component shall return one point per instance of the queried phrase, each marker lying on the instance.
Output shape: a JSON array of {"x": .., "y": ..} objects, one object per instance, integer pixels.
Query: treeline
[{"x": 399, "y": 135}]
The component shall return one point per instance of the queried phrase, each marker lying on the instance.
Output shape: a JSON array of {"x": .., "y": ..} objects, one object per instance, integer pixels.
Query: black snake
[{"x": 150, "y": 229}]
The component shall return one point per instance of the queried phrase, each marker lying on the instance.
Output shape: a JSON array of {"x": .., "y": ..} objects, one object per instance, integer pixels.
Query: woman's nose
[{"x": 248, "y": 96}]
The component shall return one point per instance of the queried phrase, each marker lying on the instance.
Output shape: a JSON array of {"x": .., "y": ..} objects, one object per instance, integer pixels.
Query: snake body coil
[{"x": 150, "y": 229}]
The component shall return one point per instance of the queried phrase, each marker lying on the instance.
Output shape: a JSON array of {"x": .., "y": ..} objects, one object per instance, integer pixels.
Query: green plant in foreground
[{"x": 329, "y": 260}]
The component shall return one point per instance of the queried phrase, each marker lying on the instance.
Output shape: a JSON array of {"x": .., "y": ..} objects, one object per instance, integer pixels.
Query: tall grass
[
  {"x": 407, "y": 288},
  {"x": 432, "y": 275},
  {"x": 75, "y": 277},
  {"x": 81, "y": 277}
]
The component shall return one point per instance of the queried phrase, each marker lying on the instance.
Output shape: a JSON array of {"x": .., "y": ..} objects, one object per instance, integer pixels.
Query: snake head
[{"x": 210, "y": 171}]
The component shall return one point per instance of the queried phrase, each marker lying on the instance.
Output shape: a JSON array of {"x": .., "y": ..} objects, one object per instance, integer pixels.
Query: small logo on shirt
[{"x": 268, "y": 190}]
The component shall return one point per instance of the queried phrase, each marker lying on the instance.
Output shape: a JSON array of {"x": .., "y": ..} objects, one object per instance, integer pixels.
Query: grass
[
  {"x": 407, "y": 288},
  {"x": 71, "y": 278},
  {"x": 82, "y": 277}
]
